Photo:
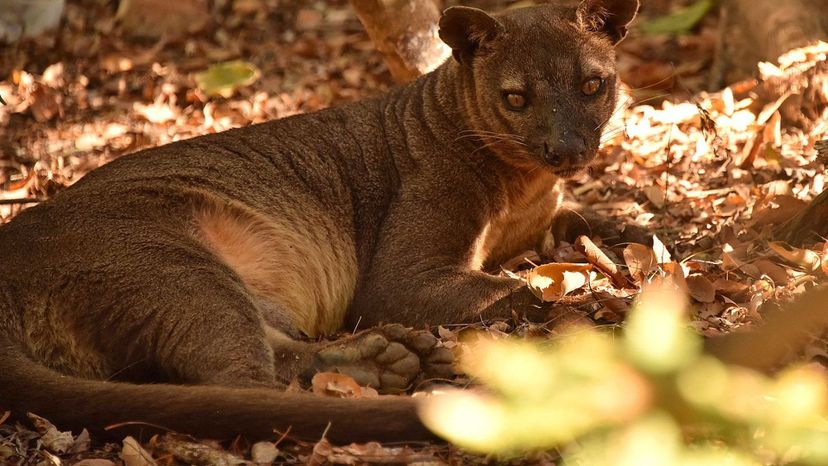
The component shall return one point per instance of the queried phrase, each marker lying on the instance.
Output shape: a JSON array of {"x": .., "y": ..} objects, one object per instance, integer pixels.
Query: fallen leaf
[
  {"x": 53, "y": 439},
  {"x": 656, "y": 195},
  {"x": 133, "y": 454},
  {"x": 701, "y": 289},
  {"x": 82, "y": 442},
  {"x": 805, "y": 258},
  {"x": 224, "y": 78},
  {"x": 191, "y": 452},
  {"x": 599, "y": 259},
  {"x": 551, "y": 282},
  {"x": 322, "y": 450},
  {"x": 774, "y": 271},
  {"x": 158, "y": 112},
  {"x": 825, "y": 258},
  {"x": 676, "y": 273},
  {"x": 661, "y": 252},
  {"x": 641, "y": 261},
  {"x": 335, "y": 385},
  {"x": 264, "y": 452},
  {"x": 94, "y": 462},
  {"x": 731, "y": 288}
]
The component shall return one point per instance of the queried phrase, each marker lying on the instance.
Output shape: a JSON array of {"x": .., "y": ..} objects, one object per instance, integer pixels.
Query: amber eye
[
  {"x": 515, "y": 101},
  {"x": 592, "y": 86}
]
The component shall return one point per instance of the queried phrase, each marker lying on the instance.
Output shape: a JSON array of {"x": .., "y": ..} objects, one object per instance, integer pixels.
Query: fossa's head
[{"x": 539, "y": 83}]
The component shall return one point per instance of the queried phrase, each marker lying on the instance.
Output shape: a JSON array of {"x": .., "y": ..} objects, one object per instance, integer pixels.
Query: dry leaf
[
  {"x": 772, "y": 133},
  {"x": 335, "y": 385},
  {"x": 656, "y": 195},
  {"x": 774, "y": 271},
  {"x": 53, "y": 439},
  {"x": 599, "y": 259},
  {"x": 94, "y": 462},
  {"x": 189, "y": 452},
  {"x": 551, "y": 282},
  {"x": 701, "y": 289},
  {"x": 322, "y": 450},
  {"x": 263, "y": 452},
  {"x": 825, "y": 258},
  {"x": 641, "y": 261},
  {"x": 661, "y": 252},
  {"x": 805, "y": 258},
  {"x": 731, "y": 288},
  {"x": 676, "y": 273},
  {"x": 224, "y": 78},
  {"x": 133, "y": 454}
]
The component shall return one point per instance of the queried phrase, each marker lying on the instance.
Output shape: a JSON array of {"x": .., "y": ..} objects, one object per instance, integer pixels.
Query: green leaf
[
  {"x": 680, "y": 21},
  {"x": 224, "y": 78}
]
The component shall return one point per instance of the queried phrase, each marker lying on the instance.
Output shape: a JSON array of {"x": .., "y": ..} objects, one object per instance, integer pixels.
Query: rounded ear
[
  {"x": 610, "y": 17},
  {"x": 466, "y": 29}
]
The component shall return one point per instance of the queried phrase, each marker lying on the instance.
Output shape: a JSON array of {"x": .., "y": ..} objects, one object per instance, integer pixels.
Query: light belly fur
[{"x": 305, "y": 270}]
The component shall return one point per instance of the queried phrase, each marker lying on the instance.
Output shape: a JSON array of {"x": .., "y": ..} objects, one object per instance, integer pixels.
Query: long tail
[{"x": 205, "y": 411}]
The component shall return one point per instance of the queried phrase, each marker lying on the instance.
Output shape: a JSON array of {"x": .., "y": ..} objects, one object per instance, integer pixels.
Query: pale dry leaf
[
  {"x": 53, "y": 439},
  {"x": 825, "y": 258},
  {"x": 158, "y": 112},
  {"x": 322, "y": 451},
  {"x": 82, "y": 442},
  {"x": 335, "y": 385},
  {"x": 662, "y": 254},
  {"x": 805, "y": 258},
  {"x": 641, "y": 261},
  {"x": 94, "y": 462},
  {"x": 446, "y": 334},
  {"x": 656, "y": 195},
  {"x": 772, "y": 133},
  {"x": 551, "y": 282},
  {"x": 701, "y": 289},
  {"x": 600, "y": 260},
  {"x": 189, "y": 452},
  {"x": 676, "y": 273},
  {"x": 133, "y": 454},
  {"x": 52, "y": 459},
  {"x": 263, "y": 452}
]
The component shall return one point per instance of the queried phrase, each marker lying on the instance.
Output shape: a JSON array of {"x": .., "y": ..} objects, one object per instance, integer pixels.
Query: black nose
[{"x": 566, "y": 149}]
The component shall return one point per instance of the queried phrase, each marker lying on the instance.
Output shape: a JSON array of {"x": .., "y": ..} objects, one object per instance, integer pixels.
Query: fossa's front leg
[{"x": 425, "y": 272}]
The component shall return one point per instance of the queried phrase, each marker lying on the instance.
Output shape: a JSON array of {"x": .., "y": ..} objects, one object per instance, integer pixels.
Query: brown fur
[{"x": 192, "y": 263}]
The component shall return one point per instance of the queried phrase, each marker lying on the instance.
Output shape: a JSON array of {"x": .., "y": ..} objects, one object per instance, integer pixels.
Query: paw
[{"x": 391, "y": 358}]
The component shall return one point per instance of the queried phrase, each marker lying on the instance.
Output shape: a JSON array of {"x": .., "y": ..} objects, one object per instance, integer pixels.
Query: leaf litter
[{"x": 712, "y": 174}]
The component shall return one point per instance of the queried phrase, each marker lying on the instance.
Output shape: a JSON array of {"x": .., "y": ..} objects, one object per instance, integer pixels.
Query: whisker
[{"x": 665, "y": 79}]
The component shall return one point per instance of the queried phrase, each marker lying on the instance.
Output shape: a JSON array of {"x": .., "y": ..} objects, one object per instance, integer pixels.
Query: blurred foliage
[
  {"x": 648, "y": 397},
  {"x": 224, "y": 78},
  {"x": 681, "y": 21}
]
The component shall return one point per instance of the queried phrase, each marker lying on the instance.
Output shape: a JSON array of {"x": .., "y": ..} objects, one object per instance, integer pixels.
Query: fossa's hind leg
[{"x": 190, "y": 323}]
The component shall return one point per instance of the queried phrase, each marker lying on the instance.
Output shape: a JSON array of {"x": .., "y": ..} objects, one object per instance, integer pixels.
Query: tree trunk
[
  {"x": 762, "y": 30},
  {"x": 405, "y": 32}
]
